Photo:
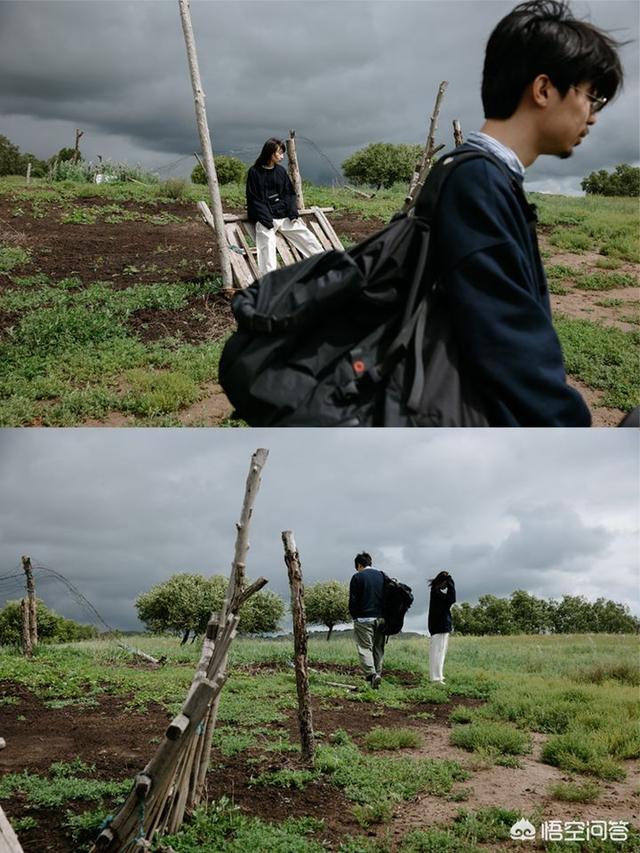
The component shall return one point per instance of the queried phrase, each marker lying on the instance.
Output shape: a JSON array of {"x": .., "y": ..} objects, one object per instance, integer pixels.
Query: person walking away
[
  {"x": 443, "y": 595},
  {"x": 272, "y": 207},
  {"x": 546, "y": 77},
  {"x": 366, "y": 606}
]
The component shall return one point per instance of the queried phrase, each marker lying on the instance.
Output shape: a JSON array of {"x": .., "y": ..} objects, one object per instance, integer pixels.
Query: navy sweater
[
  {"x": 487, "y": 257},
  {"x": 270, "y": 195},
  {"x": 440, "y": 609},
  {"x": 366, "y": 594}
]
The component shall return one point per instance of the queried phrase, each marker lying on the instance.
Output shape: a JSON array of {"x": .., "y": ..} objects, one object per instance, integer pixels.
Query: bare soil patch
[{"x": 119, "y": 743}]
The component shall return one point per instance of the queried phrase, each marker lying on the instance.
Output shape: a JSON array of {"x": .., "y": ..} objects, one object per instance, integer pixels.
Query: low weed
[
  {"x": 435, "y": 841},
  {"x": 379, "y": 738},
  {"x": 606, "y": 281},
  {"x": 485, "y": 825},
  {"x": 573, "y": 792},
  {"x": 379, "y": 812},
  {"x": 286, "y": 778},
  {"x": 604, "y": 358},
  {"x": 12, "y": 257},
  {"x": 50, "y": 793},
  {"x": 580, "y": 752},
  {"x": 498, "y": 736}
]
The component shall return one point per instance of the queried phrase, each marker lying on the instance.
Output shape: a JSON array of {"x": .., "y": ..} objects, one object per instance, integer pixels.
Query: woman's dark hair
[
  {"x": 363, "y": 559},
  {"x": 543, "y": 37},
  {"x": 440, "y": 579},
  {"x": 268, "y": 150}
]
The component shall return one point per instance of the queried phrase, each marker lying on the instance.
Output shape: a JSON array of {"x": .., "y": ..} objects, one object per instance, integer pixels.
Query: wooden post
[
  {"x": 31, "y": 603},
  {"x": 28, "y": 172},
  {"x": 419, "y": 176},
  {"x": 76, "y": 153},
  {"x": 294, "y": 169},
  {"x": 294, "y": 569},
  {"x": 27, "y": 648},
  {"x": 458, "y": 138},
  {"x": 205, "y": 143},
  {"x": 8, "y": 839}
]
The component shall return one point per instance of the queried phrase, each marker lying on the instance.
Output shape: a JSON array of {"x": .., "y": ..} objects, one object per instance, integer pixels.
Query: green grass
[
  {"x": 12, "y": 257},
  {"x": 573, "y": 792},
  {"x": 379, "y": 738},
  {"x": 606, "y": 281},
  {"x": 43, "y": 792},
  {"x": 502, "y": 738},
  {"x": 603, "y": 358}
]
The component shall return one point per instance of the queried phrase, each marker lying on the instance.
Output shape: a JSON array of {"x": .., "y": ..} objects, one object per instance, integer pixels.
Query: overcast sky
[
  {"x": 342, "y": 74},
  {"x": 116, "y": 511}
]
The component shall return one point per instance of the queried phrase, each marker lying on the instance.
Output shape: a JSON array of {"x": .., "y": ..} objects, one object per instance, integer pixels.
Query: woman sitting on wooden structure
[{"x": 271, "y": 205}]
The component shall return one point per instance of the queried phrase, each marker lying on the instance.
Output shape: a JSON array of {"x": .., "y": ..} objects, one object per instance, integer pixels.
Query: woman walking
[{"x": 443, "y": 595}]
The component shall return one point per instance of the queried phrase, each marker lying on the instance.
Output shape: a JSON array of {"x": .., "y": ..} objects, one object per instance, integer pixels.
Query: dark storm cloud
[
  {"x": 342, "y": 74},
  {"x": 116, "y": 511}
]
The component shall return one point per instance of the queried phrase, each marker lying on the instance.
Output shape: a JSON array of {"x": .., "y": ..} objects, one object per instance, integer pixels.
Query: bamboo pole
[
  {"x": 305, "y": 719},
  {"x": 173, "y": 779},
  {"x": 28, "y": 172},
  {"x": 8, "y": 839},
  {"x": 205, "y": 143},
  {"x": 27, "y": 648},
  {"x": 458, "y": 138},
  {"x": 420, "y": 174},
  {"x": 294, "y": 169}
]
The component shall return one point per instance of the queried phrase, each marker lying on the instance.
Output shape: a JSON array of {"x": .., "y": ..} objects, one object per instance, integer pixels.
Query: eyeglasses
[{"x": 596, "y": 103}]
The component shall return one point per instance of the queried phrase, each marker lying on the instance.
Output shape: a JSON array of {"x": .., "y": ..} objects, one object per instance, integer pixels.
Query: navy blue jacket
[
  {"x": 366, "y": 594},
  {"x": 488, "y": 262},
  {"x": 440, "y": 609}
]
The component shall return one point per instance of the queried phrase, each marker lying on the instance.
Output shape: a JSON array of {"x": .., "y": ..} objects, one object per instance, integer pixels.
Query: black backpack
[
  {"x": 354, "y": 338},
  {"x": 398, "y": 598}
]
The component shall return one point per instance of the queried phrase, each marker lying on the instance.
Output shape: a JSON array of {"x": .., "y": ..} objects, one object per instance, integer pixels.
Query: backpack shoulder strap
[{"x": 427, "y": 200}]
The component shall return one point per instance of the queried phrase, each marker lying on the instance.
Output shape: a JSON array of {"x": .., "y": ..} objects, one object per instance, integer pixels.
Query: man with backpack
[
  {"x": 442, "y": 318},
  {"x": 546, "y": 77},
  {"x": 366, "y": 606}
]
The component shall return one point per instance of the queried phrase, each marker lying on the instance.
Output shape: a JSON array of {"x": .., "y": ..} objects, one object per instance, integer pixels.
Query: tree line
[
  {"x": 523, "y": 613},
  {"x": 380, "y": 164},
  {"x": 182, "y": 604}
]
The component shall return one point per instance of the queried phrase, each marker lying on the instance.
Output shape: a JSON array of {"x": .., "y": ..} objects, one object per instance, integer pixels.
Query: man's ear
[{"x": 540, "y": 90}]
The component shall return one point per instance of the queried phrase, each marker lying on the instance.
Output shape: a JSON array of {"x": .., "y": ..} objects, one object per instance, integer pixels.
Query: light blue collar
[{"x": 507, "y": 155}]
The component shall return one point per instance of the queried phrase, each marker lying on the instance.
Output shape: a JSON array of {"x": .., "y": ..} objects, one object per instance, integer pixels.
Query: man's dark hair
[
  {"x": 543, "y": 37},
  {"x": 440, "y": 579},
  {"x": 363, "y": 559},
  {"x": 268, "y": 150}
]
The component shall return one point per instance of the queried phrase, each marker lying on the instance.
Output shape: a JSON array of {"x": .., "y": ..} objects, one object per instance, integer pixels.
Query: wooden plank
[
  {"x": 328, "y": 228},
  {"x": 283, "y": 249},
  {"x": 234, "y": 217},
  {"x": 248, "y": 253},
  {"x": 8, "y": 839},
  {"x": 317, "y": 230}
]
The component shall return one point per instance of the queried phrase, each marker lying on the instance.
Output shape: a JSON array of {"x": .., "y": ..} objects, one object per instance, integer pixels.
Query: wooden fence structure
[{"x": 174, "y": 780}]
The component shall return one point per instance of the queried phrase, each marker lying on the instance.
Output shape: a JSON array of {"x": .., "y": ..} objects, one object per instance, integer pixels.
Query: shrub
[
  {"x": 496, "y": 736},
  {"x": 382, "y": 164},
  {"x": 571, "y": 792},
  {"x": 380, "y": 738},
  {"x": 230, "y": 170}
]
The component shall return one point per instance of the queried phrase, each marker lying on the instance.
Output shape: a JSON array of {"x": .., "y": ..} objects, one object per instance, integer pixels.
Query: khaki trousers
[{"x": 370, "y": 641}]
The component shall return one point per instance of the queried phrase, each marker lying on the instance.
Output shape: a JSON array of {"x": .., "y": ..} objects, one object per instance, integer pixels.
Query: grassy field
[
  {"x": 111, "y": 312},
  {"x": 535, "y": 727}
]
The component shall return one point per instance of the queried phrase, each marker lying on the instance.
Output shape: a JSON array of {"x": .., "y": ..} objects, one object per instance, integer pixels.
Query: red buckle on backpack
[{"x": 359, "y": 366}]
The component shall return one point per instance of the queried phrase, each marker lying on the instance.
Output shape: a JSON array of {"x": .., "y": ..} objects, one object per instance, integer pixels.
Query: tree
[
  {"x": 382, "y": 164},
  {"x": 9, "y": 157},
  {"x": 327, "y": 603},
  {"x": 38, "y": 167},
  {"x": 184, "y": 602},
  {"x": 52, "y": 627},
  {"x": 623, "y": 181},
  {"x": 530, "y": 615},
  {"x": 228, "y": 169}
]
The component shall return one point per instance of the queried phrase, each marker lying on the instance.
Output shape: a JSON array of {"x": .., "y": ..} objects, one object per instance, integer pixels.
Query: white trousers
[
  {"x": 295, "y": 229},
  {"x": 437, "y": 650}
]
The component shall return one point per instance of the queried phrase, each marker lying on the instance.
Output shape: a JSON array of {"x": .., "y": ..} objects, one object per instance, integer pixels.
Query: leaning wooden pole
[
  {"x": 8, "y": 839},
  {"x": 458, "y": 138},
  {"x": 31, "y": 602},
  {"x": 161, "y": 792},
  {"x": 205, "y": 142},
  {"x": 429, "y": 151},
  {"x": 27, "y": 648},
  {"x": 294, "y": 169},
  {"x": 292, "y": 560}
]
